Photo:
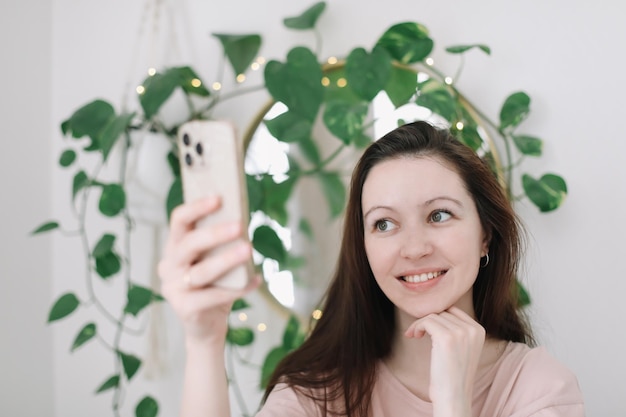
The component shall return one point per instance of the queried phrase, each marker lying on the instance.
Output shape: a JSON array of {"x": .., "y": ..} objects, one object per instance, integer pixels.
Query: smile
[{"x": 422, "y": 277}]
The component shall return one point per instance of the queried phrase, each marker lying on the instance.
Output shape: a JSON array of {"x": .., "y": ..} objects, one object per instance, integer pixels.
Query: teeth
[{"x": 422, "y": 277}]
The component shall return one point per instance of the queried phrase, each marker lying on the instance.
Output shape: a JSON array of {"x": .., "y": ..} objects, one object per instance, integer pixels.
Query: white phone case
[{"x": 211, "y": 163}]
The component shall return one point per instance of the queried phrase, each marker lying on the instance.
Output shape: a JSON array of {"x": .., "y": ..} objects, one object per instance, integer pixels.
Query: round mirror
[{"x": 299, "y": 185}]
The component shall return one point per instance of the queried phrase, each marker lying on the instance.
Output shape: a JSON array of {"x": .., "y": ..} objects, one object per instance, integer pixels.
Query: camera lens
[
  {"x": 186, "y": 140},
  {"x": 199, "y": 149},
  {"x": 188, "y": 160}
]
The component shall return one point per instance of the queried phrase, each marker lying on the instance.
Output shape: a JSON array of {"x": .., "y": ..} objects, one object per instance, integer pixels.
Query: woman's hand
[
  {"x": 186, "y": 281},
  {"x": 457, "y": 344}
]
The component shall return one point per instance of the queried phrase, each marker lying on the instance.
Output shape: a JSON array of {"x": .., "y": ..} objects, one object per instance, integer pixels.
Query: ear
[{"x": 484, "y": 250}]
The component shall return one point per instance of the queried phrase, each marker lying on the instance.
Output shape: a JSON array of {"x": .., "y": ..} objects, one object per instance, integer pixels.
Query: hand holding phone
[{"x": 211, "y": 161}]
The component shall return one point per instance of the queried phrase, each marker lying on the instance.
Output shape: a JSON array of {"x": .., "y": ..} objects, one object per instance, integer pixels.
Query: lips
[{"x": 427, "y": 276}]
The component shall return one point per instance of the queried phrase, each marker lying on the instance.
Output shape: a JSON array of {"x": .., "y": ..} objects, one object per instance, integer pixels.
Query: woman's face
[{"x": 423, "y": 236}]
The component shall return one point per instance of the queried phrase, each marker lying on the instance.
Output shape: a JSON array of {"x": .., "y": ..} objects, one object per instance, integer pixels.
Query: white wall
[
  {"x": 25, "y": 169},
  {"x": 565, "y": 55}
]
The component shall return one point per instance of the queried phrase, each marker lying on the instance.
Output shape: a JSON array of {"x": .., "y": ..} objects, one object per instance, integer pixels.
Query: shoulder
[
  {"x": 531, "y": 379},
  {"x": 285, "y": 401}
]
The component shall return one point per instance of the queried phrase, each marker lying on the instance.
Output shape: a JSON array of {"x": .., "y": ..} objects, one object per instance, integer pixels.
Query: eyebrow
[{"x": 425, "y": 204}]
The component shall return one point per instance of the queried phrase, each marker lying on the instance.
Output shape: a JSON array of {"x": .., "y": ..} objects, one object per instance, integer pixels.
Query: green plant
[{"x": 342, "y": 94}]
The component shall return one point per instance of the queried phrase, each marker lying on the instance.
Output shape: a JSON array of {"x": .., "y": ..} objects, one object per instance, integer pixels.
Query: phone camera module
[
  {"x": 188, "y": 160},
  {"x": 199, "y": 149}
]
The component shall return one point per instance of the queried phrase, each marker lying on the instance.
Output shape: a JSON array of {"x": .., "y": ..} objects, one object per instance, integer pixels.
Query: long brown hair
[{"x": 336, "y": 365}]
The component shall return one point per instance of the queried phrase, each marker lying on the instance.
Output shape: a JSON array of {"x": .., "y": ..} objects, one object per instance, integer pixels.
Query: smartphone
[{"x": 211, "y": 163}]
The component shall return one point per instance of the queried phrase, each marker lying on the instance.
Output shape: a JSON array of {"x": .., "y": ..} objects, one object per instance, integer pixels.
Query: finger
[
  {"x": 215, "y": 266},
  {"x": 184, "y": 217},
  {"x": 200, "y": 241},
  {"x": 462, "y": 315},
  {"x": 431, "y": 324}
]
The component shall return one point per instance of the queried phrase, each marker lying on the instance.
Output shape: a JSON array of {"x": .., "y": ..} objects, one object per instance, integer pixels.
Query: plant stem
[
  {"x": 325, "y": 162},
  {"x": 234, "y": 384}
]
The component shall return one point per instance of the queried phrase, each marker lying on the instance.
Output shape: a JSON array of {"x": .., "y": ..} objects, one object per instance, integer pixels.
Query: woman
[{"x": 421, "y": 316}]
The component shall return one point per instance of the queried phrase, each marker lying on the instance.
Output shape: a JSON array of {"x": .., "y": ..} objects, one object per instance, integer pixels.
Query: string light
[
  {"x": 151, "y": 71},
  {"x": 332, "y": 60},
  {"x": 243, "y": 317},
  {"x": 317, "y": 314},
  {"x": 448, "y": 80},
  {"x": 255, "y": 66},
  {"x": 216, "y": 86},
  {"x": 241, "y": 78},
  {"x": 140, "y": 89},
  {"x": 261, "y": 327},
  {"x": 325, "y": 81},
  {"x": 430, "y": 61},
  {"x": 459, "y": 125},
  {"x": 260, "y": 60},
  {"x": 342, "y": 82},
  {"x": 196, "y": 82}
]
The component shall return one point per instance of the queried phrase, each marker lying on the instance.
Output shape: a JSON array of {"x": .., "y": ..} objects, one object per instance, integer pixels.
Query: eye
[
  {"x": 384, "y": 225},
  {"x": 440, "y": 216}
]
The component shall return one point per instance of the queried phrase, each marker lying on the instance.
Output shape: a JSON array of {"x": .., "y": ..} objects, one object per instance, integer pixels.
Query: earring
[{"x": 486, "y": 261}]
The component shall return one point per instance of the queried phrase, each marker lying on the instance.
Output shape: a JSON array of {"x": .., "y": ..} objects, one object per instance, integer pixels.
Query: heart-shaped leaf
[
  {"x": 147, "y": 407},
  {"x": 79, "y": 182},
  {"x": 514, "y": 110},
  {"x": 174, "y": 196},
  {"x": 267, "y": 243},
  {"x": 104, "y": 245},
  {"x": 297, "y": 83},
  {"x": 459, "y": 49},
  {"x": 90, "y": 119},
  {"x": 240, "y": 50},
  {"x": 307, "y": 19},
  {"x": 130, "y": 363},
  {"x": 112, "y": 382},
  {"x": 402, "y": 86},
  {"x": 240, "y": 304},
  {"x": 435, "y": 96},
  {"x": 547, "y": 193},
  {"x": 189, "y": 81},
  {"x": 368, "y": 74},
  {"x": 138, "y": 298},
  {"x": 108, "y": 265},
  {"x": 271, "y": 361},
  {"x": 528, "y": 145},
  {"x": 469, "y": 136},
  {"x": 63, "y": 307},
  {"x": 289, "y": 127},
  {"x": 112, "y": 200},
  {"x": 157, "y": 89},
  {"x": 407, "y": 42},
  {"x": 345, "y": 120},
  {"x": 335, "y": 192},
  {"x": 240, "y": 336},
  {"x": 46, "y": 227},
  {"x": 112, "y": 131},
  {"x": 67, "y": 158},
  {"x": 84, "y": 335}
]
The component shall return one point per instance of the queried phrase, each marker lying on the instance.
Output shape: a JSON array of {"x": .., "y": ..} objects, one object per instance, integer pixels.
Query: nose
[{"x": 416, "y": 244}]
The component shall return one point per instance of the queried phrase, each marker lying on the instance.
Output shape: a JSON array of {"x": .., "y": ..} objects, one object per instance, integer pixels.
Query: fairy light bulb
[
  {"x": 459, "y": 125},
  {"x": 317, "y": 314},
  {"x": 332, "y": 60},
  {"x": 255, "y": 66},
  {"x": 261, "y": 327},
  {"x": 216, "y": 86},
  {"x": 448, "y": 80},
  {"x": 151, "y": 71},
  {"x": 260, "y": 60},
  {"x": 140, "y": 89},
  {"x": 430, "y": 61},
  {"x": 243, "y": 317},
  {"x": 241, "y": 78},
  {"x": 196, "y": 83},
  {"x": 325, "y": 81},
  {"x": 342, "y": 82}
]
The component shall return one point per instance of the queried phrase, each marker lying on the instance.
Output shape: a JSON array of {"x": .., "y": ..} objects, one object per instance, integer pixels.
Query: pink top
[{"x": 523, "y": 382}]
